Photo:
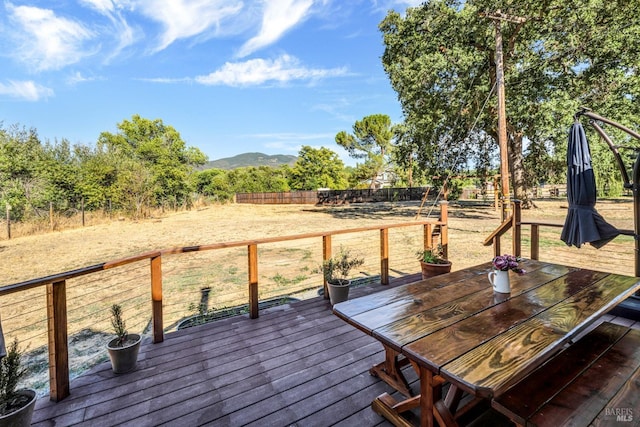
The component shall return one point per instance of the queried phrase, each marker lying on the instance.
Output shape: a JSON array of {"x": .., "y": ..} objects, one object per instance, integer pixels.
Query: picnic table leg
[{"x": 390, "y": 371}]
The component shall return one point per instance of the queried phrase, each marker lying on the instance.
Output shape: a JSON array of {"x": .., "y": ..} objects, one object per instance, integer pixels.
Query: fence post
[
  {"x": 51, "y": 215},
  {"x": 156, "y": 299},
  {"x": 253, "y": 281},
  {"x": 384, "y": 256},
  {"x": 82, "y": 208},
  {"x": 8, "y": 222},
  {"x": 58, "y": 347},
  {"x": 326, "y": 255}
]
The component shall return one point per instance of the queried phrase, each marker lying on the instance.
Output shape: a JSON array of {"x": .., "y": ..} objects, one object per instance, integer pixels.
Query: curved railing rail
[{"x": 56, "y": 284}]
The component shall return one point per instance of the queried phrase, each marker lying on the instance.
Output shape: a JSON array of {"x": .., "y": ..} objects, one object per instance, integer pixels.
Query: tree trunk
[{"x": 516, "y": 160}]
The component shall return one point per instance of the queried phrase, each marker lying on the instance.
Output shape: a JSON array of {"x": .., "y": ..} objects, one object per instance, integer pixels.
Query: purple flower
[{"x": 506, "y": 263}]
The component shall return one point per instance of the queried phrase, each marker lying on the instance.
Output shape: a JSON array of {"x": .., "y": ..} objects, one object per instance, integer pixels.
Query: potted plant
[
  {"x": 433, "y": 263},
  {"x": 123, "y": 349},
  {"x": 16, "y": 406},
  {"x": 336, "y": 273}
]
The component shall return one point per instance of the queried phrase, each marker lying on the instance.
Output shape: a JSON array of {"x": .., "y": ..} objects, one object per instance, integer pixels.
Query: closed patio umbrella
[{"x": 583, "y": 223}]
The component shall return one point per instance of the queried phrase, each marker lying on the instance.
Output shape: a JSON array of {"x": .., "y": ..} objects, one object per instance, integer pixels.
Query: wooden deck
[{"x": 297, "y": 365}]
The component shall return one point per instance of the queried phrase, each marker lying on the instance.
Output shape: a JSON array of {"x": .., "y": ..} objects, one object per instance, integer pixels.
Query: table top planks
[{"x": 458, "y": 327}]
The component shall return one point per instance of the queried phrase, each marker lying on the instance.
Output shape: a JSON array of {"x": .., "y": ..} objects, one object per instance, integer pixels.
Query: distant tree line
[
  {"x": 144, "y": 165},
  {"x": 147, "y": 165}
]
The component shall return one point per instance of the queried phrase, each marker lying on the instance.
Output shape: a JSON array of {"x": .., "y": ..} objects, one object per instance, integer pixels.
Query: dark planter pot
[
  {"x": 338, "y": 290},
  {"x": 201, "y": 319},
  {"x": 123, "y": 359},
  {"x": 21, "y": 417},
  {"x": 430, "y": 270}
]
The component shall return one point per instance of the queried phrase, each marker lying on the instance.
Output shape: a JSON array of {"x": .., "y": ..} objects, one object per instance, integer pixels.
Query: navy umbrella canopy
[{"x": 583, "y": 223}]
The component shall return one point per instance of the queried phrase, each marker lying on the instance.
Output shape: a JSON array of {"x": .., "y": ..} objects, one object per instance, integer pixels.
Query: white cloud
[
  {"x": 187, "y": 18},
  {"x": 27, "y": 90},
  {"x": 125, "y": 35},
  {"x": 279, "y": 17},
  {"x": 47, "y": 41},
  {"x": 77, "y": 78},
  {"x": 103, "y": 6},
  {"x": 259, "y": 71}
]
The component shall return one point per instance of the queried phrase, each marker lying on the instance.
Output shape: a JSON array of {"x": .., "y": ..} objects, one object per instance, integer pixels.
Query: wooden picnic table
[{"x": 453, "y": 328}]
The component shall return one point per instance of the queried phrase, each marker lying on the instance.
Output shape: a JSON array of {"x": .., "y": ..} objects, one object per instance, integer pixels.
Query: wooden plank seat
[{"x": 593, "y": 381}]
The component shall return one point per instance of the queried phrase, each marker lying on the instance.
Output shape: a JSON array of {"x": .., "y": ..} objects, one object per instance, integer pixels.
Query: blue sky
[{"x": 232, "y": 76}]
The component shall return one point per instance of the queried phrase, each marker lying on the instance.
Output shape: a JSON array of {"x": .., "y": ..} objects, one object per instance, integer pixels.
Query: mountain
[{"x": 250, "y": 159}]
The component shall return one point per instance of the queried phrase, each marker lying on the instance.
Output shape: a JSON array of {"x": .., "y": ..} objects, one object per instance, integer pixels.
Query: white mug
[{"x": 500, "y": 281}]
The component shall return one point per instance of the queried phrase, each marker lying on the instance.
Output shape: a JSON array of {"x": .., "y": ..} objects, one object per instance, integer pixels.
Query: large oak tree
[{"x": 440, "y": 59}]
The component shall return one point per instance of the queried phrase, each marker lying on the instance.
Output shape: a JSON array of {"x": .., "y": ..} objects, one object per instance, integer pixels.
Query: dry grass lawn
[{"x": 34, "y": 256}]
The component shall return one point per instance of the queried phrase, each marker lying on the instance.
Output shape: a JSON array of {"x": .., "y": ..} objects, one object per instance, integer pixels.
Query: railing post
[
  {"x": 517, "y": 228},
  {"x": 444, "y": 228},
  {"x": 535, "y": 241},
  {"x": 427, "y": 236},
  {"x": 156, "y": 299},
  {"x": 326, "y": 255},
  {"x": 253, "y": 281},
  {"x": 496, "y": 246},
  {"x": 384, "y": 256},
  {"x": 58, "y": 347}
]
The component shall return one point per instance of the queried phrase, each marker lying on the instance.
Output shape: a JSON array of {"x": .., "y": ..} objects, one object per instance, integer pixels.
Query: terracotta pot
[
  {"x": 430, "y": 270},
  {"x": 123, "y": 359},
  {"x": 21, "y": 417},
  {"x": 338, "y": 290}
]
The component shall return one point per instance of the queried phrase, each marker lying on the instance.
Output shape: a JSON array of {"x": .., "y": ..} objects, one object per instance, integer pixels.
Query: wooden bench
[{"x": 594, "y": 381}]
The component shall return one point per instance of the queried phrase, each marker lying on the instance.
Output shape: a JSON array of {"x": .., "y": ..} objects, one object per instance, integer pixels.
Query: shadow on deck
[{"x": 296, "y": 365}]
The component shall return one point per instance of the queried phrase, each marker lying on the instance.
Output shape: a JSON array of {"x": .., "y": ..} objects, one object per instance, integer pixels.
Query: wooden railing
[
  {"x": 56, "y": 292},
  {"x": 514, "y": 223}
]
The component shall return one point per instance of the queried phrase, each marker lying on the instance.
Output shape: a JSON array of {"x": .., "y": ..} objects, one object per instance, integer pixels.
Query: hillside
[{"x": 251, "y": 159}]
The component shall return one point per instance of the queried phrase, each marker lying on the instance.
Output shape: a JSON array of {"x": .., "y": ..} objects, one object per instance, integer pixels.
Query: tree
[
  {"x": 21, "y": 186},
  {"x": 253, "y": 179},
  {"x": 318, "y": 168},
  {"x": 440, "y": 59},
  {"x": 161, "y": 151},
  {"x": 371, "y": 140},
  {"x": 214, "y": 183}
]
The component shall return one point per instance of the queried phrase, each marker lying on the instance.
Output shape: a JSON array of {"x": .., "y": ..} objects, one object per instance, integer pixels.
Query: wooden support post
[
  {"x": 8, "y": 222},
  {"x": 496, "y": 246},
  {"x": 444, "y": 228},
  {"x": 326, "y": 255},
  {"x": 384, "y": 256},
  {"x": 82, "y": 209},
  {"x": 58, "y": 347},
  {"x": 535, "y": 241},
  {"x": 51, "y": 222},
  {"x": 253, "y": 281},
  {"x": 156, "y": 299},
  {"x": 427, "y": 236},
  {"x": 516, "y": 218}
]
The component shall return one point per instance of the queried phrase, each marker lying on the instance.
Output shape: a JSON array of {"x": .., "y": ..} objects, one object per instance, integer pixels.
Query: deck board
[{"x": 296, "y": 365}]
